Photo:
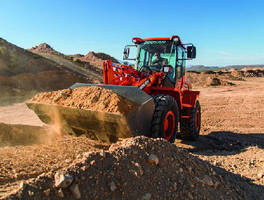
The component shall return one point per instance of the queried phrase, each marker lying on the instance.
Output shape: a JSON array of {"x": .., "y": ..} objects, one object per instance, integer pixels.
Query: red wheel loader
[{"x": 156, "y": 83}]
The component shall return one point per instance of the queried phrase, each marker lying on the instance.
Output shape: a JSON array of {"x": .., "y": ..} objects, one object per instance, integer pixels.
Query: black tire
[
  {"x": 166, "y": 112},
  {"x": 190, "y": 129}
]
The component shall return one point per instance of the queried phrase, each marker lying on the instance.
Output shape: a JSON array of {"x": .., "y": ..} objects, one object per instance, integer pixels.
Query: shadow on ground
[{"x": 224, "y": 143}]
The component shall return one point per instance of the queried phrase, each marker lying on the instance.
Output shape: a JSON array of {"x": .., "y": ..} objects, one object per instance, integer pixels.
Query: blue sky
[{"x": 225, "y": 32}]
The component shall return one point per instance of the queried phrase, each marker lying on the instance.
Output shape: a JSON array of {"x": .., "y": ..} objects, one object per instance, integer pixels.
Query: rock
[
  {"x": 47, "y": 192},
  {"x": 153, "y": 159},
  {"x": 60, "y": 193},
  {"x": 260, "y": 175},
  {"x": 181, "y": 170},
  {"x": 75, "y": 191},
  {"x": 207, "y": 180},
  {"x": 216, "y": 184},
  {"x": 86, "y": 154},
  {"x": 175, "y": 186},
  {"x": 19, "y": 194},
  {"x": 22, "y": 185},
  {"x": 147, "y": 196},
  {"x": 190, "y": 196},
  {"x": 30, "y": 193},
  {"x": 92, "y": 162},
  {"x": 102, "y": 153},
  {"x": 62, "y": 180},
  {"x": 141, "y": 172},
  {"x": 113, "y": 186}
]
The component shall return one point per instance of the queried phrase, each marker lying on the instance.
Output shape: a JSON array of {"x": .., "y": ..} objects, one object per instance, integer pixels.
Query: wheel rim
[
  {"x": 197, "y": 120},
  {"x": 169, "y": 125}
]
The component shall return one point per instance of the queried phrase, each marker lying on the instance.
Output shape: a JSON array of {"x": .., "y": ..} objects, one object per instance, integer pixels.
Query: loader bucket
[{"x": 104, "y": 126}]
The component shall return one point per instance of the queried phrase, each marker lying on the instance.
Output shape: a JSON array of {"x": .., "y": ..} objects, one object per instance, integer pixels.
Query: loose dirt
[
  {"x": 213, "y": 81},
  {"x": 232, "y": 129},
  {"x": 221, "y": 77},
  {"x": 226, "y": 162},
  {"x": 211, "y": 78},
  {"x": 19, "y": 163},
  {"x": 124, "y": 171},
  {"x": 93, "y": 98}
]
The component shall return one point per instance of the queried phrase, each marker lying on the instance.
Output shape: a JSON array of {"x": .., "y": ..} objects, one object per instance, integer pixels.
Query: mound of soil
[
  {"x": 208, "y": 72},
  {"x": 210, "y": 78},
  {"x": 99, "y": 57},
  {"x": 135, "y": 168},
  {"x": 213, "y": 81},
  {"x": 42, "y": 48},
  {"x": 94, "y": 98},
  {"x": 237, "y": 73},
  {"x": 28, "y": 158}
]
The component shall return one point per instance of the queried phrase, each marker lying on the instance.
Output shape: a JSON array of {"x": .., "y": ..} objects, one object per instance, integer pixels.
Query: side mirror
[
  {"x": 191, "y": 52},
  {"x": 166, "y": 69},
  {"x": 126, "y": 53}
]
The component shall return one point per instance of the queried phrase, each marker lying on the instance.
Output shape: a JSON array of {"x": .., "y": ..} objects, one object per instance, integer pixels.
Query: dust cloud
[{"x": 13, "y": 135}]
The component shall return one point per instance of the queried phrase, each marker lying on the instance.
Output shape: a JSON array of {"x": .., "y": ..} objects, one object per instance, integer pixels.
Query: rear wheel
[
  {"x": 190, "y": 129},
  {"x": 165, "y": 118}
]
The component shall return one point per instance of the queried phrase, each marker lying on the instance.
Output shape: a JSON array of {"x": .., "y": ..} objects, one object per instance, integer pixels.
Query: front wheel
[
  {"x": 190, "y": 129},
  {"x": 165, "y": 118}
]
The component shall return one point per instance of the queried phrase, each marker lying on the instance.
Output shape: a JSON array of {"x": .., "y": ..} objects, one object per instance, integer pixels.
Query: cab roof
[{"x": 138, "y": 40}]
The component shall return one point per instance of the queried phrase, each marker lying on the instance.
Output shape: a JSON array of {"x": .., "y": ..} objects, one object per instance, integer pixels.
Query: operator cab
[{"x": 167, "y": 55}]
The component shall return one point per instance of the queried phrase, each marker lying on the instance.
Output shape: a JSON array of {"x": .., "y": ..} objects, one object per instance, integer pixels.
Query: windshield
[{"x": 155, "y": 54}]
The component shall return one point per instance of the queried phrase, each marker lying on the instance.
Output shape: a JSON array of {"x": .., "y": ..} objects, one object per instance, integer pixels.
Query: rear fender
[{"x": 190, "y": 97}]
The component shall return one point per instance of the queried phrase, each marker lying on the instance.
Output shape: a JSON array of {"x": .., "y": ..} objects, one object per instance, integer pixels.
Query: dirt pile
[
  {"x": 94, "y": 98},
  {"x": 20, "y": 163},
  {"x": 136, "y": 168},
  {"x": 254, "y": 73},
  {"x": 221, "y": 77},
  {"x": 97, "y": 59},
  {"x": 210, "y": 78},
  {"x": 213, "y": 81},
  {"x": 42, "y": 48},
  {"x": 99, "y": 56},
  {"x": 237, "y": 73}
]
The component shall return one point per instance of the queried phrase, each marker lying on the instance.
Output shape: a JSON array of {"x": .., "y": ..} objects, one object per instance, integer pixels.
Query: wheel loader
[{"x": 155, "y": 83}]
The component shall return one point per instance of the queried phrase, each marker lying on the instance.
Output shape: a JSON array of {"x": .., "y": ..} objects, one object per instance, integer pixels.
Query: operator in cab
[{"x": 159, "y": 61}]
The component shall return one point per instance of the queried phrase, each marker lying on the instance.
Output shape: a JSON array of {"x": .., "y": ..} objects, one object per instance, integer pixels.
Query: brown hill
[
  {"x": 87, "y": 66},
  {"x": 43, "y": 48},
  {"x": 15, "y": 60},
  {"x": 95, "y": 59},
  {"x": 23, "y": 74},
  {"x": 91, "y": 61}
]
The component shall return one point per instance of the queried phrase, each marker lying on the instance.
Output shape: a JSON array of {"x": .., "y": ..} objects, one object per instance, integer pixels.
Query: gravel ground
[
  {"x": 139, "y": 168},
  {"x": 226, "y": 162}
]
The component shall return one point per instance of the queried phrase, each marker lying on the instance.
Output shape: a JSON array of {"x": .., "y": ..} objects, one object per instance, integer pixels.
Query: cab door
[{"x": 180, "y": 66}]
